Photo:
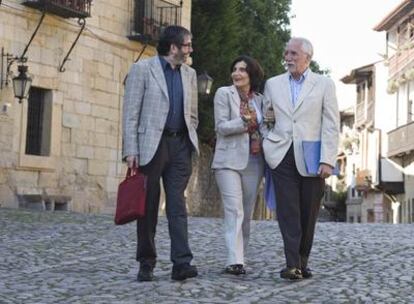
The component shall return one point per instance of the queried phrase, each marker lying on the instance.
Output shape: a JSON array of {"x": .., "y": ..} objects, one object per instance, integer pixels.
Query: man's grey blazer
[
  {"x": 314, "y": 117},
  {"x": 146, "y": 105},
  {"x": 232, "y": 145}
]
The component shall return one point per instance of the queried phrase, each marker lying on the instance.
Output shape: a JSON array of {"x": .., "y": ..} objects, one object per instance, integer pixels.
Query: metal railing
[
  {"x": 151, "y": 16},
  {"x": 64, "y": 8}
]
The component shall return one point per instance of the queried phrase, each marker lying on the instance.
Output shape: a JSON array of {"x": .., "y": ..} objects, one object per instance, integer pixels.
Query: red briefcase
[{"x": 132, "y": 193}]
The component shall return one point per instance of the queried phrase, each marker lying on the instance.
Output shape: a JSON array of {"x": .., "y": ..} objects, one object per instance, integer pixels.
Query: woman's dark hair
[
  {"x": 253, "y": 69},
  {"x": 173, "y": 34}
]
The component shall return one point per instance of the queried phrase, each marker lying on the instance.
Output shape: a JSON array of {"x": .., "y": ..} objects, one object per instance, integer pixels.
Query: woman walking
[{"x": 238, "y": 159}]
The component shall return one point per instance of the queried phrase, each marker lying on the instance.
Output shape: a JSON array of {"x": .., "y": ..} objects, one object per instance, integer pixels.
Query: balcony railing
[
  {"x": 360, "y": 114},
  {"x": 151, "y": 16},
  {"x": 401, "y": 140},
  {"x": 62, "y": 8},
  {"x": 400, "y": 60},
  {"x": 365, "y": 113}
]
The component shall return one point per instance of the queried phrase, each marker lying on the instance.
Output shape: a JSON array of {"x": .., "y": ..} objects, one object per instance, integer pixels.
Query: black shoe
[
  {"x": 183, "y": 271},
  {"x": 235, "y": 269},
  {"x": 291, "y": 274},
  {"x": 145, "y": 273},
  {"x": 306, "y": 273}
]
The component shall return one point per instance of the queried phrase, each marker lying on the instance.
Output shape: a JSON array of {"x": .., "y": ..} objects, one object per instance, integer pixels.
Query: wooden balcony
[
  {"x": 401, "y": 140},
  {"x": 402, "y": 59},
  {"x": 62, "y": 8},
  {"x": 364, "y": 114}
]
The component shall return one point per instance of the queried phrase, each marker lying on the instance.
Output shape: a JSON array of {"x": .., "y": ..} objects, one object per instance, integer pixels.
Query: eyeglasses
[{"x": 189, "y": 45}]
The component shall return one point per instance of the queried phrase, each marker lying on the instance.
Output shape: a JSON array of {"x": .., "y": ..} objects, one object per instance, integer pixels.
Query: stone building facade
[{"x": 61, "y": 148}]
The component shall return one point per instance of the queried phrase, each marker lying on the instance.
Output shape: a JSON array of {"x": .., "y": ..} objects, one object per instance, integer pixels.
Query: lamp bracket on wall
[
  {"x": 33, "y": 35},
  {"x": 136, "y": 60},
  {"x": 8, "y": 59},
  {"x": 21, "y": 82},
  {"x": 82, "y": 23}
]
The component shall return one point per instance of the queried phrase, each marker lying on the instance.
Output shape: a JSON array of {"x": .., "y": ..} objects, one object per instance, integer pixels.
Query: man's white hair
[{"x": 306, "y": 45}]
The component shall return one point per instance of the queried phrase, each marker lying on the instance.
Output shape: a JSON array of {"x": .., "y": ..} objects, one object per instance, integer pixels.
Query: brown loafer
[
  {"x": 291, "y": 273},
  {"x": 145, "y": 273},
  {"x": 307, "y": 273},
  {"x": 183, "y": 272}
]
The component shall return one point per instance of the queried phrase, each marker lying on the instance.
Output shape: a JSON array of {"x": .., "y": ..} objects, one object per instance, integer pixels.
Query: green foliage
[
  {"x": 317, "y": 69},
  {"x": 225, "y": 29},
  {"x": 216, "y": 37},
  {"x": 265, "y": 32},
  {"x": 339, "y": 197}
]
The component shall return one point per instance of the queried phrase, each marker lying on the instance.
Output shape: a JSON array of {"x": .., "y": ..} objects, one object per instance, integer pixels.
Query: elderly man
[
  {"x": 305, "y": 110},
  {"x": 159, "y": 134}
]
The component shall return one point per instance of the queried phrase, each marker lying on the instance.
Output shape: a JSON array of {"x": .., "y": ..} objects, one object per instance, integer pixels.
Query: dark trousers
[
  {"x": 172, "y": 162},
  {"x": 298, "y": 201}
]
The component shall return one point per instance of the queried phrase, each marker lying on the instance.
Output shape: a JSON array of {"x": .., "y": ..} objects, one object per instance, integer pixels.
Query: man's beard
[
  {"x": 290, "y": 66},
  {"x": 179, "y": 58}
]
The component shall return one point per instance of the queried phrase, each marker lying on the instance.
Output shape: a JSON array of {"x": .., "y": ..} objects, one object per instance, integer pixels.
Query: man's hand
[
  {"x": 132, "y": 160},
  {"x": 325, "y": 170}
]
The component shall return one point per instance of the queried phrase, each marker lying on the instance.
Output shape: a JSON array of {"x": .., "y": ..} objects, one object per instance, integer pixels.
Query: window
[
  {"x": 410, "y": 111},
  {"x": 356, "y": 193},
  {"x": 39, "y": 116},
  {"x": 151, "y": 16},
  {"x": 40, "y": 130}
]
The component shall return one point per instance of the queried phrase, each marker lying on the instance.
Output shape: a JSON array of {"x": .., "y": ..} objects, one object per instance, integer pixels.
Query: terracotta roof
[
  {"x": 396, "y": 15},
  {"x": 358, "y": 73}
]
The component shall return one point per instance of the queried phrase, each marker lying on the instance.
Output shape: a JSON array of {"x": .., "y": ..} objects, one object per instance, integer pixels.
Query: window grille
[
  {"x": 38, "y": 122},
  {"x": 152, "y": 16}
]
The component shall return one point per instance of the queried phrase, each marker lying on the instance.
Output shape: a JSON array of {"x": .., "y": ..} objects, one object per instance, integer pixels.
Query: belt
[{"x": 169, "y": 133}]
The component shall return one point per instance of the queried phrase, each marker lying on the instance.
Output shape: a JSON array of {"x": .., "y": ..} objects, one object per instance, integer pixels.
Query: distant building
[
  {"x": 399, "y": 58},
  {"x": 374, "y": 180}
]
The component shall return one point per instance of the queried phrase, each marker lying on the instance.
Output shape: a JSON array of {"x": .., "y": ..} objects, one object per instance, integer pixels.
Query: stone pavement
[{"x": 61, "y": 257}]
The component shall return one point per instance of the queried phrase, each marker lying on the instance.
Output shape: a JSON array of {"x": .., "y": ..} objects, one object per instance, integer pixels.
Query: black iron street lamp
[
  {"x": 21, "y": 83},
  {"x": 204, "y": 83}
]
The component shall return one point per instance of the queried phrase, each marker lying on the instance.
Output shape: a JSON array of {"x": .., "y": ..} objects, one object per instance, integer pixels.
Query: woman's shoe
[{"x": 235, "y": 269}]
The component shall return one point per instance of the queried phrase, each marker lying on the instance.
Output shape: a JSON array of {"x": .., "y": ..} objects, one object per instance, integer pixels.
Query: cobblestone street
[{"x": 60, "y": 257}]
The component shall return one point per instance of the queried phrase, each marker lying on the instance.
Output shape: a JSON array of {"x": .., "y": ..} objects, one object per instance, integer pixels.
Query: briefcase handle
[{"x": 131, "y": 172}]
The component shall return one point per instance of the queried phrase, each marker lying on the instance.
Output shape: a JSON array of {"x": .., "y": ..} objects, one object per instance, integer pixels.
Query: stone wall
[
  {"x": 84, "y": 167},
  {"x": 202, "y": 194}
]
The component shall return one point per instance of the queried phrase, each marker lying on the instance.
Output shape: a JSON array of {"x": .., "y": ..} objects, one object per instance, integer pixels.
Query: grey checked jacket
[{"x": 146, "y": 106}]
